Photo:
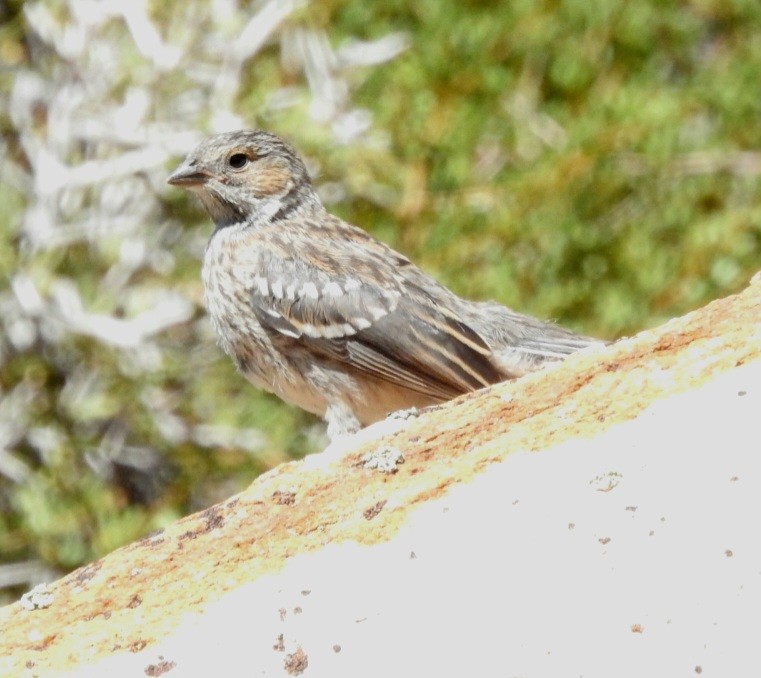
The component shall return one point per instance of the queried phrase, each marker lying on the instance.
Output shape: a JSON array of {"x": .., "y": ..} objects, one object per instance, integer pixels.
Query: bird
[{"x": 327, "y": 317}]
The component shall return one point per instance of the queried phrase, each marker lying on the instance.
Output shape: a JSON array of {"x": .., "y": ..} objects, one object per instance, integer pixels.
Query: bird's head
[{"x": 247, "y": 176}]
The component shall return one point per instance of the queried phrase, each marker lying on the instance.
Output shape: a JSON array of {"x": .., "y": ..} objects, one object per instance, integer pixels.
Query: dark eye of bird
[{"x": 238, "y": 160}]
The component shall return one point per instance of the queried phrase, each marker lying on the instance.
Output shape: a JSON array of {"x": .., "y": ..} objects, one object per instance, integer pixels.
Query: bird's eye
[{"x": 238, "y": 160}]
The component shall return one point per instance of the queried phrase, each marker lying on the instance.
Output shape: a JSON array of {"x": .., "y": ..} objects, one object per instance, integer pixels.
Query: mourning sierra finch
[{"x": 327, "y": 317}]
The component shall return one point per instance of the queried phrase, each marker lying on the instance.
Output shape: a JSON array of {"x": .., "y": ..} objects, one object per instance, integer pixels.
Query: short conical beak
[{"x": 188, "y": 175}]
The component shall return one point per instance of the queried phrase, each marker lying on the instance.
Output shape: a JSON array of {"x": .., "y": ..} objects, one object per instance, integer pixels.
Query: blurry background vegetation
[{"x": 593, "y": 161}]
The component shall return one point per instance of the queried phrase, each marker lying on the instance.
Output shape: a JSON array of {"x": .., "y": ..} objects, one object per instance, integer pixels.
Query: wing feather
[{"x": 357, "y": 301}]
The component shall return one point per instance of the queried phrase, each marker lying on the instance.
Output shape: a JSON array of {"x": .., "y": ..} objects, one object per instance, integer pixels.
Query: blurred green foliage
[{"x": 593, "y": 161}]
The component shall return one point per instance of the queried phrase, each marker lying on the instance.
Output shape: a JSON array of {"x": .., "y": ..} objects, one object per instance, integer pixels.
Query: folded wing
[{"x": 350, "y": 298}]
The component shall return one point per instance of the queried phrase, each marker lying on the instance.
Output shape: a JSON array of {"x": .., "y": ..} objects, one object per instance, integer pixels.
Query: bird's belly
[
  {"x": 266, "y": 366},
  {"x": 372, "y": 399},
  {"x": 241, "y": 336}
]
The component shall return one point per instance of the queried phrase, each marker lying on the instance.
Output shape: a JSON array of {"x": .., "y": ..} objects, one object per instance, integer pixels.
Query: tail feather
[{"x": 520, "y": 343}]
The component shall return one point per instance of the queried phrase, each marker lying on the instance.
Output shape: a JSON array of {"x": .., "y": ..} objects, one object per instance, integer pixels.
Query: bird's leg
[{"x": 341, "y": 420}]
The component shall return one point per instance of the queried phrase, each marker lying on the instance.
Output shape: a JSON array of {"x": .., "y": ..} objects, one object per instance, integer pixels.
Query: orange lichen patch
[{"x": 139, "y": 594}]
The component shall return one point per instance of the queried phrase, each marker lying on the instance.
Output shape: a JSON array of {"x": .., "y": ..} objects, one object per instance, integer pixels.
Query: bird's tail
[{"x": 520, "y": 343}]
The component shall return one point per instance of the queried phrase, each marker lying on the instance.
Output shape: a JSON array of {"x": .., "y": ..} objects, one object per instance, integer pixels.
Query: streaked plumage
[{"x": 327, "y": 317}]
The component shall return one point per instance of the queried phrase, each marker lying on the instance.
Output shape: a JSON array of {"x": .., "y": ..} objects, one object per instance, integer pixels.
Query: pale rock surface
[{"x": 636, "y": 553}]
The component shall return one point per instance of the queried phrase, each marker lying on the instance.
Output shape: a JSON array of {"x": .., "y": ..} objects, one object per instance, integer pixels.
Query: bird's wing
[{"x": 348, "y": 296}]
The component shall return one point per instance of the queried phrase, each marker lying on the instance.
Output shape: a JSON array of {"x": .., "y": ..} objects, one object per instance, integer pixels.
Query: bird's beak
[{"x": 188, "y": 175}]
